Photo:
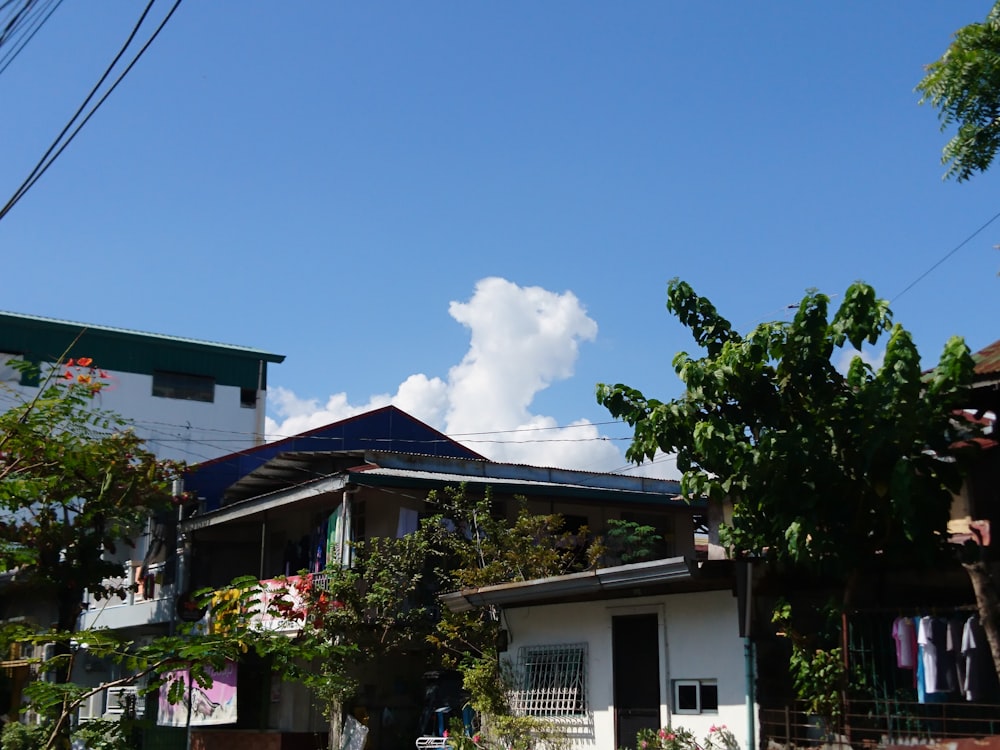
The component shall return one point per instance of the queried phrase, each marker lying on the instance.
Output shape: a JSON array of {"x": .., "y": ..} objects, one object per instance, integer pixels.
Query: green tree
[
  {"x": 829, "y": 474},
  {"x": 964, "y": 87},
  {"x": 344, "y": 618},
  {"x": 75, "y": 483},
  {"x": 385, "y": 604},
  {"x": 474, "y": 546}
]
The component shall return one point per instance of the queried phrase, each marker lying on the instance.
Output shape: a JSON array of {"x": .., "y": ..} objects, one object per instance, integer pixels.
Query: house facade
[
  {"x": 606, "y": 653},
  {"x": 189, "y": 400},
  {"x": 278, "y": 519}
]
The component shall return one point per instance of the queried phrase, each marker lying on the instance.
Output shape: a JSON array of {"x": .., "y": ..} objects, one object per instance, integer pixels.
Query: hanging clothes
[
  {"x": 980, "y": 676},
  {"x": 904, "y": 633},
  {"x": 937, "y": 661}
]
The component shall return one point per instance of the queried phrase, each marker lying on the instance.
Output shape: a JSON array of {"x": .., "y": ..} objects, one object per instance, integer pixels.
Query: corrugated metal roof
[
  {"x": 988, "y": 360},
  {"x": 636, "y": 579},
  {"x": 668, "y": 494},
  {"x": 56, "y": 322}
]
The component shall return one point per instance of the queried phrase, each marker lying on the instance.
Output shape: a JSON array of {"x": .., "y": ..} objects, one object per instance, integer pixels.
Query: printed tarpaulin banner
[{"x": 209, "y": 706}]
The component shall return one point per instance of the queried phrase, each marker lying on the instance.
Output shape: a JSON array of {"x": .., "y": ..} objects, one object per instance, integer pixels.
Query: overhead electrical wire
[
  {"x": 25, "y": 24},
  {"x": 63, "y": 140},
  {"x": 947, "y": 255}
]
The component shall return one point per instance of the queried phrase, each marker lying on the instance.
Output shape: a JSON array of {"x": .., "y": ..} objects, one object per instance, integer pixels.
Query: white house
[
  {"x": 189, "y": 400},
  {"x": 607, "y": 652}
]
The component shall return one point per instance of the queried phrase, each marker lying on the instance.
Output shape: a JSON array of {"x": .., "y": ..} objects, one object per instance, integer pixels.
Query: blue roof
[{"x": 385, "y": 429}]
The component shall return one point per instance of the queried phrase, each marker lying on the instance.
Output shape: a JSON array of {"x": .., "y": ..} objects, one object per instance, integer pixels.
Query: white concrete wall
[
  {"x": 699, "y": 639},
  {"x": 191, "y": 431}
]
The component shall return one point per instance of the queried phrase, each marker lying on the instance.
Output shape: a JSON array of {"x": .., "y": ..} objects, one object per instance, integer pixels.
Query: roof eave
[{"x": 590, "y": 583}]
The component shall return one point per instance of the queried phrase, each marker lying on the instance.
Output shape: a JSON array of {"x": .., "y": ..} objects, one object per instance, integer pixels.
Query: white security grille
[{"x": 552, "y": 680}]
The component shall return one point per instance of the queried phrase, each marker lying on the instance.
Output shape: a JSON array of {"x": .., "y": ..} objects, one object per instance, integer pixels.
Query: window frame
[
  {"x": 183, "y": 386},
  {"x": 699, "y": 685}
]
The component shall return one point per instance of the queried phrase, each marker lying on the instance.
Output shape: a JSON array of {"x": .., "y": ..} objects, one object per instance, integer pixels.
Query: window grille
[{"x": 552, "y": 681}]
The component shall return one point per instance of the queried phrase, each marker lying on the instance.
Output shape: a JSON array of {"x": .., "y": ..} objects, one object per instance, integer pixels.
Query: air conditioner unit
[{"x": 92, "y": 708}]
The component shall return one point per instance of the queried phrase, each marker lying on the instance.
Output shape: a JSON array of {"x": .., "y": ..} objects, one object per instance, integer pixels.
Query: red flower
[
  {"x": 83, "y": 362},
  {"x": 69, "y": 362}
]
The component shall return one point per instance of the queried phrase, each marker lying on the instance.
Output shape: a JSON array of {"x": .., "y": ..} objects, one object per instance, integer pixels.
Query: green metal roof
[{"x": 46, "y": 340}]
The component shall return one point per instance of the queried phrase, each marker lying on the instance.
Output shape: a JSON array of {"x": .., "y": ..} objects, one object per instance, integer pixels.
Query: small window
[
  {"x": 248, "y": 398},
  {"x": 183, "y": 386},
  {"x": 696, "y": 697},
  {"x": 553, "y": 681}
]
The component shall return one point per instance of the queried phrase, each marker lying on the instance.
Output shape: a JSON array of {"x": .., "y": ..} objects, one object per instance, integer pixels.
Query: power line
[
  {"x": 25, "y": 23},
  {"x": 59, "y": 145},
  {"x": 947, "y": 255}
]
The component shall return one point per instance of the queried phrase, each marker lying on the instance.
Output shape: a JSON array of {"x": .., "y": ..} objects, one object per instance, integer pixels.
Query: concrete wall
[
  {"x": 178, "y": 429},
  {"x": 699, "y": 640}
]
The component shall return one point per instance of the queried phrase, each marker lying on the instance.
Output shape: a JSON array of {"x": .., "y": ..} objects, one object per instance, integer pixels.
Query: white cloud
[
  {"x": 847, "y": 355},
  {"x": 522, "y": 340}
]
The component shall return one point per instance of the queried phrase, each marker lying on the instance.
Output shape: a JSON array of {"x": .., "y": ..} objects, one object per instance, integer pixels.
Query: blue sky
[{"x": 482, "y": 203}]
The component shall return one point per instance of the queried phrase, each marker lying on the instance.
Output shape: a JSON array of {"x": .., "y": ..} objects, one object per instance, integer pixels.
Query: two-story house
[{"x": 274, "y": 520}]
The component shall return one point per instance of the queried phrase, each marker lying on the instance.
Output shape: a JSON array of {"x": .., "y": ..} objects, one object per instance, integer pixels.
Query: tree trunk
[
  {"x": 985, "y": 578},
  {"x": 336, "y": 725}
]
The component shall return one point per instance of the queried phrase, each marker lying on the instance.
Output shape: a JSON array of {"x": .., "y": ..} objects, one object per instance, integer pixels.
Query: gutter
[{"x": 544, "y": 590}]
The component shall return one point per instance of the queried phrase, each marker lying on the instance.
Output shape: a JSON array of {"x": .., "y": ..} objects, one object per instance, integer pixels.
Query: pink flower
[
  {"x": 475, "y": 738},
  {"x": 644, "y": 744},
  {"x": 713, "y": 728},
  {"x": 445, "y": 733},
  {"x": 662, "y": 734},
  {"x": 671, "y": 736}
]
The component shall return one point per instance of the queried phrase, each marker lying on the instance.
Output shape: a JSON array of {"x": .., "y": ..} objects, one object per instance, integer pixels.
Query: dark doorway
[{"x": 636, "y": 665}]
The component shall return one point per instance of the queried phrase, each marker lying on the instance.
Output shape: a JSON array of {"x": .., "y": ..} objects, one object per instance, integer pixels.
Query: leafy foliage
[
  {"x": 679, "y": 738},
  {"x": 826, "y": 471},
  {"x": 630, "y": 542},
  {"x": 964, "y": 86},
  {"x": 829, "y": 474},
  {"x": 148, "y": 661},
  {"x": 74, "y": 482},
  {"x": 471, "y": 546},
  {"x": 819, "y": 674}
]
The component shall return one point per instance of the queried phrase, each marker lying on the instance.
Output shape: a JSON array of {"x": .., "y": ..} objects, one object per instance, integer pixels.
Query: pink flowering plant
[
  {"x": 459, "y": 739},
  {"x": 720, "y": 737},
  {"x": 678, "y": 738},
  {"x": 667, "y": 738}
]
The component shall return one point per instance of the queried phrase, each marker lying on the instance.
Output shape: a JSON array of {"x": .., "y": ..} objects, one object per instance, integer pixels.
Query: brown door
[{"x": 636, "y": 666}]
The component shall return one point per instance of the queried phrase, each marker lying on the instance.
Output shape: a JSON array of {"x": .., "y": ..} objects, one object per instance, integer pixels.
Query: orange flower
[{"x": 84, "y": 361}]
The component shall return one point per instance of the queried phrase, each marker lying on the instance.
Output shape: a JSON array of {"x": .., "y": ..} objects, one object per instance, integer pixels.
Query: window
[
  {"x": 183, "y": 386},
  {"x": 696, "y": 697},
  {"x": 552, "y": 681},
  {"x": 248, "y": 398}
]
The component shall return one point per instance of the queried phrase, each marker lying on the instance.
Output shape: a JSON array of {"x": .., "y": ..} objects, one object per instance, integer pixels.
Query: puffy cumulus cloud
[{"x": 522, "y": 340}]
